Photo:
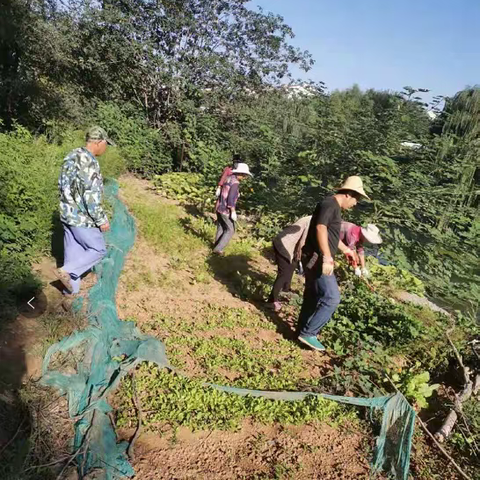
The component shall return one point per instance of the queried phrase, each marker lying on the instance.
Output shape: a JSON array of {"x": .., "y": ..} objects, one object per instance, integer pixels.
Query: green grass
[
  {"x": 169, "y": 398},
  {"x": 206, "y": 340},
  {"x": 160, "y": 225},
  {"x": 182, "y": 239}
]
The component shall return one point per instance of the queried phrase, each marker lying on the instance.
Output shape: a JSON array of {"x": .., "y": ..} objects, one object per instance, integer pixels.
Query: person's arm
[
  {"x": 301, "y": 242},
  {"x": 350, "y": 254},
  {"x": 361, "y": 256},
  {"x": 322, "y": 239},
  {"x": 226, "y": 172},
  {"x": 93, "y": 194},
  {"x": 342, "y": 247},
  {"x": 232, "y": 201}
]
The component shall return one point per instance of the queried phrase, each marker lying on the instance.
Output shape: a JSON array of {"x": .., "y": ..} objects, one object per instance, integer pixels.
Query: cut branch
[
  {"x": 427, "y": 431},
  {"x": 447, "y": 427}
]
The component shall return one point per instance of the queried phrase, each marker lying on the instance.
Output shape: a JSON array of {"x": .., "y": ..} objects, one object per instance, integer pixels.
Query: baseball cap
[{"x": 98, "y": 133}]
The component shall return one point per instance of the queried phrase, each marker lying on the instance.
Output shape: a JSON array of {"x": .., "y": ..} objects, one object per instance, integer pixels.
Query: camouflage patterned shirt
[{"x": 81, "y": 190}]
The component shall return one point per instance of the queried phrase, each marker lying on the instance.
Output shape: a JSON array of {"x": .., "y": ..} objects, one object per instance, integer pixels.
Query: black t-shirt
[{"x": 326, "y": 213}]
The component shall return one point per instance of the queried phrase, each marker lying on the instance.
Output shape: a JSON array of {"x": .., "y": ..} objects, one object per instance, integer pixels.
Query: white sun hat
[
  {"x": 242, "y": 168},
  {"x": 371, "y": 234}
]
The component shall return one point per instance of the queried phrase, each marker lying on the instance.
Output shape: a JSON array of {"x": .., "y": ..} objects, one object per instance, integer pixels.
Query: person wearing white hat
[
  {"x": 353, "y": 237},
  {"x": 321, "y": 296},
  {"x": 226, "y": 207},
  {"x": 227, "y": 171}
]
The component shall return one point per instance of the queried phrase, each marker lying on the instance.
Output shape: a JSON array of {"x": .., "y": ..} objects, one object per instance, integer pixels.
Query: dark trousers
[
  {"x": 320, "y": 300},
  {"x": 284, "y": 275},
  {"x": 225, "y": 231}
]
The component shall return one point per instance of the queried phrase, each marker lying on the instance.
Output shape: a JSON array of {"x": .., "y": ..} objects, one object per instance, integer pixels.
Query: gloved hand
[
  {"x": 233, "y": 215},
  {"x": 350, "y": 255},
  {"x": 218, "y": 191},
  {"x": 327, "y": 266},
  {"x": 365, "y": 272},
  {"x": 358, "y": 272}
]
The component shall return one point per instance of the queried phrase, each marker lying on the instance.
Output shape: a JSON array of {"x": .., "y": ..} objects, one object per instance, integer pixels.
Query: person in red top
[
  {"x": 226, "y": 207},
  {"x": 227, "y": 171},
  {"x": 353, "y": 237}
]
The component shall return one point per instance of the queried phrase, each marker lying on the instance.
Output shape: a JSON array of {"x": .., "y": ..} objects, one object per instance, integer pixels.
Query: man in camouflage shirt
[{"x": 83, "y": 218}]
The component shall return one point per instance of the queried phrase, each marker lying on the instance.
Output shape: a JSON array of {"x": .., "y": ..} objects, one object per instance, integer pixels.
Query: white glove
[
  {"x": 358, "y": 272},
  {"x": 233, "y": 216},
  {"x": 365, "y": 272},
  {"x": 327, "y": 266},
  {"x": 218, "y": 191}
]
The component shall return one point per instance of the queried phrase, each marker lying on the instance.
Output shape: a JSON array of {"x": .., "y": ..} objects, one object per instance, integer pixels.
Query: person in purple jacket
[
  {"x": 227, "y": 171},
  {"x": 226, "y": 207}
]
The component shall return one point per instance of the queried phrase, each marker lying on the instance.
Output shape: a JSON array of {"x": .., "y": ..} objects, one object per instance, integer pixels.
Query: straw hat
[
  {"x": 355, "y": 184},
  {"x": 242, "y": 168},
  {"x": 371, "y": 234}
]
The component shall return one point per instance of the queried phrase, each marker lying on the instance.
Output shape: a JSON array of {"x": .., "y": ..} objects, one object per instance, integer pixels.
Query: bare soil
[
  {"x": 19, "y": 358},
  {"x": 35, "y": 427},
  {"x": 254, "y": 452}
]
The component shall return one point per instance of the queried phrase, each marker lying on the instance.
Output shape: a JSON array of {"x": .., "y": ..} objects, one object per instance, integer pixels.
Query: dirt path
[
  {"x": 20, "y": 356},
  {"x": 35, "y": 427},
  {"x": 254, "y": 452}
]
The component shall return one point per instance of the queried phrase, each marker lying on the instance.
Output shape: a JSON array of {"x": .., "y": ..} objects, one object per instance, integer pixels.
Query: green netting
[{"x": 109, "y": 348}]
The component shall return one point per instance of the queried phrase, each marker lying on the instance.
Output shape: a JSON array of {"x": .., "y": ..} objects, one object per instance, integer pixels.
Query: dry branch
[
  {"x": 427, "y": 431},
  {"x": 446, "y": 429}
]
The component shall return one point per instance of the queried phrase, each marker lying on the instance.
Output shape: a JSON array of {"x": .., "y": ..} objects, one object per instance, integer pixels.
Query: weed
[
  {"x": 160, "y": 224},
  {"x": 169, "y": 398},
  {"x": 56, "y": 326}
]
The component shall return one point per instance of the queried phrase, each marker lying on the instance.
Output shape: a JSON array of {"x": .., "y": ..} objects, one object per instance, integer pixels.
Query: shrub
[{"x": 145, "y": 149}]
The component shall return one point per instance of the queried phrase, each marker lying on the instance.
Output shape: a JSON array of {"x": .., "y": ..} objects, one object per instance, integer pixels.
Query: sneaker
[
  {"x": 312, "y": 342},
  {"x": 64, "y": 277}
]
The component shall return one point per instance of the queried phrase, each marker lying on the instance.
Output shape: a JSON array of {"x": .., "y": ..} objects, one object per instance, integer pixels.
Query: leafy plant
[{"x": 417, "y": 387}]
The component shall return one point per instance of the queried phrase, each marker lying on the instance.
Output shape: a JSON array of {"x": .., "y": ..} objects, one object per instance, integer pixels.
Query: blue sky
[{"x": 386, "y": 44}]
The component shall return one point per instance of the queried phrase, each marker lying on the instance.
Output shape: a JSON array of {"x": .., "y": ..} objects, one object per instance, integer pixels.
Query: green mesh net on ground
[{"x": 109, "y": 348}]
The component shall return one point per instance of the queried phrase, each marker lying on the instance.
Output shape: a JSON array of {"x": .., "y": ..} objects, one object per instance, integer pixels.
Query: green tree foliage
[{"x": 183, "y": 85}]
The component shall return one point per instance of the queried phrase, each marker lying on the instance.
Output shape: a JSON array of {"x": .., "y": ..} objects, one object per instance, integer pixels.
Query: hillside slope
[{"x": 210, "y": 313}]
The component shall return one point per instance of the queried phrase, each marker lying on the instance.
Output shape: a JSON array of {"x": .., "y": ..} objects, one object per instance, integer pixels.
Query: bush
[
  {"x": 145, "y": 149},
  {"x": 187, "y": 188}
]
